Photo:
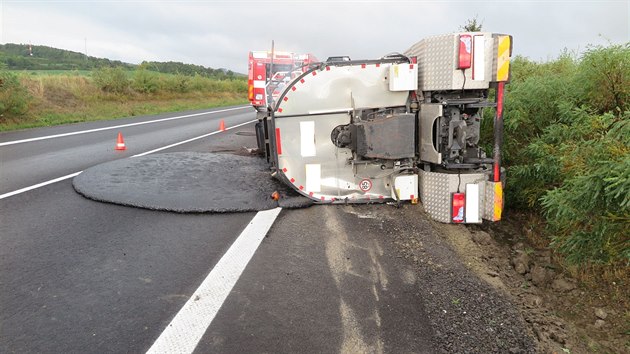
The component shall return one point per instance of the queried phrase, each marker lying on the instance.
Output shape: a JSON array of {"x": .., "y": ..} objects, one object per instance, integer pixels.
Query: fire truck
[
  {"x": 267, "y": 68},
  {"x": 405, "y": 127}
]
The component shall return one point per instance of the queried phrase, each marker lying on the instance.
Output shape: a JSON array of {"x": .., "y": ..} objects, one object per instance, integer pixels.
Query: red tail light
[
  {"x": 459, "y": 200},
  {"x": 465, "y": 51}
]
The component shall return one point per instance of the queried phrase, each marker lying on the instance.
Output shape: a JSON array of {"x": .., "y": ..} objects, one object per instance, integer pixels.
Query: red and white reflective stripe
[{"x": 278, "y": 142}]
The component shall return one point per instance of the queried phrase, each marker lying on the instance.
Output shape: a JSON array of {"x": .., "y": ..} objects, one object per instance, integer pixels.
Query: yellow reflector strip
[
  {"x": 498, "y": 201},
  {"x": 503, "y": 58}
]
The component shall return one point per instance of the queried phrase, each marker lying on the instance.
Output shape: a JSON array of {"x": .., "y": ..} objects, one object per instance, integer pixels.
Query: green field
[
  {"x": 38, "y": 98},
  {"x": 43, "y": 86}
]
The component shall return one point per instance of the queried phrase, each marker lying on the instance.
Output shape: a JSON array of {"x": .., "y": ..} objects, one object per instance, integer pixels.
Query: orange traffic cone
[
  {"x": 222, "y": 125},
  {"x": 120, "y": 143}
]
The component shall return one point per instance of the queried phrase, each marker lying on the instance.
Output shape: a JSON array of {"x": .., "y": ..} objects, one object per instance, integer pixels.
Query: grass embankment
[{"x": 39, "y": 99}]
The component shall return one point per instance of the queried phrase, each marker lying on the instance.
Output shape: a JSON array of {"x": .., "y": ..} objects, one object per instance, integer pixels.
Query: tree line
[{"x": 38, "y": 57}]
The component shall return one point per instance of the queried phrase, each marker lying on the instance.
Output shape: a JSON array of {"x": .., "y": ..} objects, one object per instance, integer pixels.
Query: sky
[{"x": 219, "y": 34}]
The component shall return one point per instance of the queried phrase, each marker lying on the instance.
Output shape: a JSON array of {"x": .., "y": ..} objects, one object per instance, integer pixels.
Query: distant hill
[
  {"x": 38, "y": 57},
  {"x": 18, "y": 57}
]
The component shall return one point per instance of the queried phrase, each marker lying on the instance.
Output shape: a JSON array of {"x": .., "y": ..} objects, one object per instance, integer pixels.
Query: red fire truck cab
[{"x": 261, "y": 71}]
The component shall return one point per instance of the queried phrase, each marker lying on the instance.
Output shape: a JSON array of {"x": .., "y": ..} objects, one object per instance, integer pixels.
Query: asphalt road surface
[{"x": 87, "y": 277}]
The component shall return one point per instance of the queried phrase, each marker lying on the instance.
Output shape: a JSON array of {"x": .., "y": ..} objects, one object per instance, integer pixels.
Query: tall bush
[
  {"x": 176, "y": 83},
  {"x": 14, "y": 97},
  {"x": 568, "y": 151},
  {"x": 145, "y": 81},
  {"x": 603, "y": 78},
  {"x": 112, "y": 80}
]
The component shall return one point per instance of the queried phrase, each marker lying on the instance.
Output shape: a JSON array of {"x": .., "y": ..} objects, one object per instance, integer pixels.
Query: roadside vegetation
[
  {"x": 567, "y": 151},
  {"x": 44, "y": 86},
  {"x": 38, "y": 100}
]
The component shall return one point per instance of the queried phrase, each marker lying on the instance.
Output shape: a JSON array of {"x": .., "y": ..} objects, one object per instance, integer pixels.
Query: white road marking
[
  {"x": 59, "y": 179},
  {"x": 192, "y": 139},
  {"x": 191, "y": 322},
  {"x": 35, "y": 186},
  {"x": 115, "y": 127}
]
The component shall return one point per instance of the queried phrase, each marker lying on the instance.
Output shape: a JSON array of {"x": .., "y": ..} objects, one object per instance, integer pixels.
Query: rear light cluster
[
  {"x": 465, "y": 51},
  {"x": 459, "y": 202}
]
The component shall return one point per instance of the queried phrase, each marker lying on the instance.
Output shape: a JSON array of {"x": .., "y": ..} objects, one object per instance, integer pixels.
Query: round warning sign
[{"x": 365, "y": 185}]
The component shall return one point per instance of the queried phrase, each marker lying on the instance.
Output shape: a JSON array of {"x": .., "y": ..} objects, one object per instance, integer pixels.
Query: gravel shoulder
[
  {"x": 562, "y": 315},
  {"x": 469, "y": 311}
]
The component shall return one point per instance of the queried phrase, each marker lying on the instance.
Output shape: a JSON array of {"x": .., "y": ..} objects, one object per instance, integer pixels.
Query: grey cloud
[{"x": 219, "y": 34}]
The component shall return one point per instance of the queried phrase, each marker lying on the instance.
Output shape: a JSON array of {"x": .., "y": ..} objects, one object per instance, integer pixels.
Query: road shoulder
[{"x": 362, "y": 278}]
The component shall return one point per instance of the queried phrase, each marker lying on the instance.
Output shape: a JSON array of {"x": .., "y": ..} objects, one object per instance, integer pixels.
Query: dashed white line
[
  {"x": 191, "y": 322},
  {"x": 115, "y": 127},
  {"x": 192, "y": 139},
  {"x": 59, "y": 179}
]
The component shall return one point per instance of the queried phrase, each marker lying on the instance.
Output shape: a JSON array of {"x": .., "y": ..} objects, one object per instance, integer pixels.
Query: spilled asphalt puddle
[{"x": 188, "y": 182}]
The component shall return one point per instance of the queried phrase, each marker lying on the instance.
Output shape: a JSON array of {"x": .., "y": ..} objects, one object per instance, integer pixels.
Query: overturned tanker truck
[{"x": 400, "y": 128}]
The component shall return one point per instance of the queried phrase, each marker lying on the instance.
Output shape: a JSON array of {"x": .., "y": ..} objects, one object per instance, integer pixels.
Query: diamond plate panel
[
  {"x": 435, "y": 196},
  {"x": 436, "y": 189},
  {"x": 437, "y": 63}
]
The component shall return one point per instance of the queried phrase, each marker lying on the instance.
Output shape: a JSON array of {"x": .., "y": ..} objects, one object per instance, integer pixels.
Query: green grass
[
  {"x": 115, "y": 110},
  {"x": 32, "y": 99}
]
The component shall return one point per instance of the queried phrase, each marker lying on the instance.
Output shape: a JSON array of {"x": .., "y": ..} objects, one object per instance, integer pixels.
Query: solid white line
[
  {"x": 59, "y": 179},
  {"x": 191, "y": 322},
  {"x": 115, "y": 127},
  {"x": 35, "y": 186}
]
